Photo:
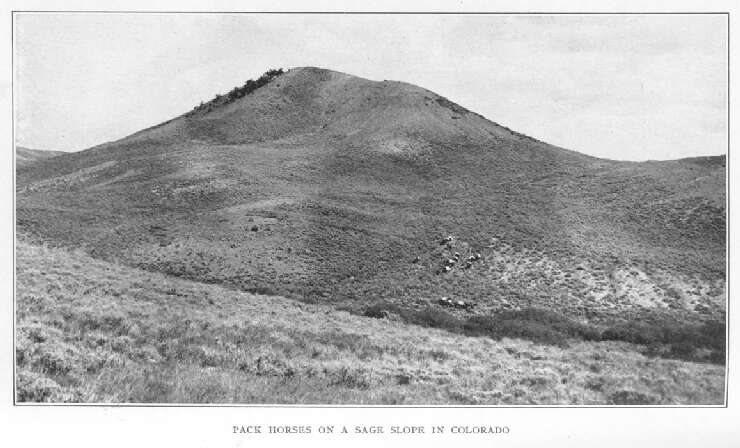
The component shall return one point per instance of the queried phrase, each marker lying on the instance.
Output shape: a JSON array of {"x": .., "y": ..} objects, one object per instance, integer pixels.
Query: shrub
[
  {"x": 36, "y": 388},
  {"x": 673, "y": 339},
  {"x": 633, "y": 332},
  {"x": 352, "y": 378},
  {"x": 714, "y": 334},
  {"x": 264, "y": 290},
  {"x": 718, "y": 357},
  {"x": 683, "y": 350},
  {"x": 631, "y": 398},
  {"x": 426, "y": 317},
  {"x": 377, "y": 311},
  {"x": 239, "y": 92},
  {"x": 665, "y": 338},
  {"x": 403, "y": 379},
  {"x": 430, "y": 317},
  {"x": 534, "y": 324},
  {"x": 523, "y": 329}
]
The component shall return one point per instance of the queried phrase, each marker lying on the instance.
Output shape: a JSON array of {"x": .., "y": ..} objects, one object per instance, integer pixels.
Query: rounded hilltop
[{"x": 383, "y": 116}]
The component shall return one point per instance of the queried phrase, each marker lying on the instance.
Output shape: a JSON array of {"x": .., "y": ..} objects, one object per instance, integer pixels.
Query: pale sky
[{"x": 620, "y": 87}]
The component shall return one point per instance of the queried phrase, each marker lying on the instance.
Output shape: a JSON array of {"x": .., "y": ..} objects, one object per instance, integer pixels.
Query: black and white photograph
[{"x": 370, "y": 209}]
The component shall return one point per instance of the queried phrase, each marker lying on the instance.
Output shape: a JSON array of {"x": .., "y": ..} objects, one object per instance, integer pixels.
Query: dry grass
[{"x": 91, "y": 331}]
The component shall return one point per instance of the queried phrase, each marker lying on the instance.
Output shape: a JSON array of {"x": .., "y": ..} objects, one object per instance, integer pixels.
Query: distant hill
[
  {"x": 326, "y": 187},
  {"x": 25, "y": 156}
]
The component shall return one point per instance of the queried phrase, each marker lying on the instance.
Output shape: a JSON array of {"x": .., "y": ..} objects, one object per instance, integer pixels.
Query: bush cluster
[
  {"x": 534, "y": 324},
  {"x": 666, "y": 339},
  {"x": 672, "y": 339},
  {"x": 543, "y": 326},
  {"x": 239, "y": 92}
]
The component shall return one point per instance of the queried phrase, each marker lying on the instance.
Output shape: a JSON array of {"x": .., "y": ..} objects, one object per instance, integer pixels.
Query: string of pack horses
[{"x": 448, "y": 266}]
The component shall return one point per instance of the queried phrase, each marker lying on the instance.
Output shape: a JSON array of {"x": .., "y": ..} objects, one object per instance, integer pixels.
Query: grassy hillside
[
  {"x": 92, "y": 331},
  {"x": 26, "y": 156},
  {"x": 332, "y": 189}
]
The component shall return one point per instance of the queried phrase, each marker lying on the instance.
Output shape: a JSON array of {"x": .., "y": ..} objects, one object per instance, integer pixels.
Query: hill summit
[{"x": 387, "y": 116}]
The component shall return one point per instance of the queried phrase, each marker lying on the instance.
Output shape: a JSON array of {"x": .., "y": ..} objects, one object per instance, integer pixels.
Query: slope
[
  {"x": 326, "y": 187},
  {"x": 26, "y": 156},
  {"x": 90, "y": 331}
]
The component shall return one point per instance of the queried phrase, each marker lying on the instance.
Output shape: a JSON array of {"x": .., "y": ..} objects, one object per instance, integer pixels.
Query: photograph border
[{"x": 340, "y": 406}]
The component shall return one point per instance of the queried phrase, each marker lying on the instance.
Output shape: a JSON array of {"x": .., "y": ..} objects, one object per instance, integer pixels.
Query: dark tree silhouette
[{"x": 239, "y": 92}]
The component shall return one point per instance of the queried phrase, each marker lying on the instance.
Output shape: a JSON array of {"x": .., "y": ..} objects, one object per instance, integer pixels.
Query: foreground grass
[{"x": 90, "y": 331}]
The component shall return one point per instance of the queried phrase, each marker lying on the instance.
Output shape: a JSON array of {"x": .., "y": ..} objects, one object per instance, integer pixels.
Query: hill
[
  {"x": 329, "y": 188},
  {"x": 25, "y": 156}
]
